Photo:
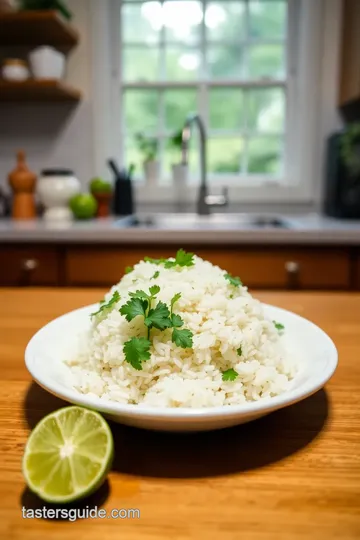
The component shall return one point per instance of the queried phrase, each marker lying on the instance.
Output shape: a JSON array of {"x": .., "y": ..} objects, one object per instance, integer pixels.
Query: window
[
  {"x": 225, "y": 59},
  {"x": 251, "y": 68}
]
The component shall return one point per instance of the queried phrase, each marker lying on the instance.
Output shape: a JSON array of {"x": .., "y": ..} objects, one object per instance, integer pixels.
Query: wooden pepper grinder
[{"x": 22, "y": 182}]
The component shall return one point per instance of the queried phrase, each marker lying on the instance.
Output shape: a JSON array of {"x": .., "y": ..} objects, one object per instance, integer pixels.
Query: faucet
[{"x": 205, "y": 201}]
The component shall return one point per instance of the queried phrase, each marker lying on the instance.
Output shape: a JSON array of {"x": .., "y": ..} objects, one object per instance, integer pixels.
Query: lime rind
[{"x": 54, "y": 451}]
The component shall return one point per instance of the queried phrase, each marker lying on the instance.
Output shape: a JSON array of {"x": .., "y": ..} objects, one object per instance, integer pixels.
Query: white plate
[{"x": 313, "y": 349}]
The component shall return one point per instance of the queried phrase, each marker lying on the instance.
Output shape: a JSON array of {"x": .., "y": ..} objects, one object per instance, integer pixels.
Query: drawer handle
[
  {"x": 292, "y": 267},
  {"x": 29, "y": 265}
]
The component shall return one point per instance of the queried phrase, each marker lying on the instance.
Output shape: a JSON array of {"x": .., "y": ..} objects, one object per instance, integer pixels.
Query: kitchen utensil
[
  {"x": 123, "y": 193},
  {"x": 22, "y": 182},
  {"x": 58, "y": 340}
]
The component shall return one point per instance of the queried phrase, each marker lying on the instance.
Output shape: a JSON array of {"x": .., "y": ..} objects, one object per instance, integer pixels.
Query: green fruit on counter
[
  {"x": 83, "y": 206},
  {"x": 98, "y": 185}
]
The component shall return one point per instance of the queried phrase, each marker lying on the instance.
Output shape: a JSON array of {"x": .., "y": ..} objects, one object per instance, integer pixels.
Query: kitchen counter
[
  {"x": 308, "y": 229},
  {"x": 291, "y": 475}
]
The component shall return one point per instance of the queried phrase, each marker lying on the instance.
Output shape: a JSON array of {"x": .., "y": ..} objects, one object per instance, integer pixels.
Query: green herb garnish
[
  {"x": 182, "y": 338},
  {"x": 154, "y": 261},
  {"x": 174, "y": 299},
  {"x": 279, "y": 326},
  {"x": 133, "y": 308},
  {"x": 176, "y": 321},
  {"x": 137, "y": 350},
  {"x": 181, "y": 259},
  {"x": 236, "y": 281},
  {"x": 107, "y": 305},
  {"x": 229, "y": 375},
  {"x": 129, "y": 269},
  {"x": 239, "y": 351},
  {"x": 159, "y": 317},
  {"x": 156, "y": 275}
]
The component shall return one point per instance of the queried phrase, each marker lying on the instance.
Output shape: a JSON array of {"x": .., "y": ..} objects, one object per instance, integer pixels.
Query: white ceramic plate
[{"x": 313, "y": 349}]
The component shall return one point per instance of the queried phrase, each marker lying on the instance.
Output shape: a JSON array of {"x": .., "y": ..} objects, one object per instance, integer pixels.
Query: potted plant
[
  {"x": 58, "y": 5},
  {"x": 179, "y": 169},
  {"x": 148, "y": 146},
  {"x": 102, "y": 191}
]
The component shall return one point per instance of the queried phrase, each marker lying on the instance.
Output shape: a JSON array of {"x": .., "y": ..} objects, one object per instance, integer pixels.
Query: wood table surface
[{"x": 294, "y": 474}]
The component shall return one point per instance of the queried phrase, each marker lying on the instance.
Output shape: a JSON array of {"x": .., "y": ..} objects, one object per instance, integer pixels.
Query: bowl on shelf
[
  {"x": 15, "y": 69},
  {"x": 47, "y": 63}
]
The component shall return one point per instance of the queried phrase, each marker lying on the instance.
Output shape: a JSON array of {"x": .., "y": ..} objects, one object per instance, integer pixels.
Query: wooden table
[{"x": 292, "y": 475}]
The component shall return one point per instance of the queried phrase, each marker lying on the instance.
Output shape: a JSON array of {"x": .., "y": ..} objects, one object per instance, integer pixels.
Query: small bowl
[{"x": 314, "y": 350}]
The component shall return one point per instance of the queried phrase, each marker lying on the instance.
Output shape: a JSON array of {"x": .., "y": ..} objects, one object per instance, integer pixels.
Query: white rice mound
[{"x": 221, "y": 317}]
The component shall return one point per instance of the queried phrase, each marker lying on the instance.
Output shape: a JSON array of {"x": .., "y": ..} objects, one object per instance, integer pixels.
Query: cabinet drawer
[
  {"x": 258, "y": 267},
  {"x": 27, "y": 265}
]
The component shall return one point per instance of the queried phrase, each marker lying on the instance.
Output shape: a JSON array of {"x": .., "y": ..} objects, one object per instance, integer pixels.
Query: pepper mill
[{"x": 22, "y": 182}]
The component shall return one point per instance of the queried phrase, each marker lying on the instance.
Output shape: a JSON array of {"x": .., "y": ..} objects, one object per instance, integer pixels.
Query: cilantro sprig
[
  {"x": 182, "y": 259},
  {"x": 156, "y": 275},
  {"x": 239, "y": 351},
  {"x": 279, "y": 327},
  {"x": 107, "y": 305},
  {"x": 230, "y": 375},
  {"x": 129, "y": 269},
  {"x": 235, "y": 281},
  {"x": 137, "y": 350}
]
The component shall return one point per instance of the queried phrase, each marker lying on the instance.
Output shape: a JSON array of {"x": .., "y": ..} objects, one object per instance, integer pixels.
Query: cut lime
[{"x": 68, "y": 455}]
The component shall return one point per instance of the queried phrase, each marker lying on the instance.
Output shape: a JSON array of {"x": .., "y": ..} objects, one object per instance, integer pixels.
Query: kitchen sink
[{"x": 188, "y": 221}]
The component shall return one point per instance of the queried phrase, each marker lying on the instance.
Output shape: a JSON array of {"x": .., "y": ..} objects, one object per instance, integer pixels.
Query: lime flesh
[{"x": 68, "y": 455}]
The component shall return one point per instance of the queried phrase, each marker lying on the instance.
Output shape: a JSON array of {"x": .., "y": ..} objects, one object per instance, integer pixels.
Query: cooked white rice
[{"x": 221, "y": 317}]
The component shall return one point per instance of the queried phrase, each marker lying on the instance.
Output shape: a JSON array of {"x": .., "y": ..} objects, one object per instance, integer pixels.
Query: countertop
[
  {"x": 306, "y": 229},
  {"x": 292, "y": 475}
]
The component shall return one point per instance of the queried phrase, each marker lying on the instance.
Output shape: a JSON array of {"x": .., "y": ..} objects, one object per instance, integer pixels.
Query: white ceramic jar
[
  {"x": 47, "y": 63},
  {"x": 55, "y": 189},
  {"x": 15, "y": 69}
]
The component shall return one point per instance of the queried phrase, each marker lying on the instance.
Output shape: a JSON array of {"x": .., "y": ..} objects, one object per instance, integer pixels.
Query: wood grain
[{"x": 292, "y": 475}]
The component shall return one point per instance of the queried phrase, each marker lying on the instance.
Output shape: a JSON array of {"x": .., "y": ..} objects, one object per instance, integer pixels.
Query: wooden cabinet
[
  {"x": 29, "y": 265},
  {"x": 270, "y": 267},
  {"x": 261, "y": 267}
]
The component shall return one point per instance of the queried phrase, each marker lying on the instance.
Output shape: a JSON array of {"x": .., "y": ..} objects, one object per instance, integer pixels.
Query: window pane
[
  {"x": 141, "y": 110},
  {"x": 182, "y": 21},
  {"x": 267, "y": 19},
  {"x": 224, "y": 62},
  {"x": 178, "y": 104},
  {"x": 141, "y": 22},
  {"x": 133, "y": 155},
  {"x": 224, "y": 154},
  {"x": 266, "y": 109},
  {"x": 226, "y": 108},
  {"x": 264, "y": 155},
  {"x": 266, "y": 61},
  {"x": 140, "y": 64},
  {"x": 182, "y": 64},
  {"x": 225, "y": 21}
]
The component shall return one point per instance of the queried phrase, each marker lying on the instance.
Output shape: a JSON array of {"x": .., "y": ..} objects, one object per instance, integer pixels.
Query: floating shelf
[
  {"x": 42, "y": 91},
  {"x": 31, "y": 28}
]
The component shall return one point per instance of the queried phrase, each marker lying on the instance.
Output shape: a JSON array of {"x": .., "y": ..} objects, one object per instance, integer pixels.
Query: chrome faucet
[{"x": 205, "y": 201}]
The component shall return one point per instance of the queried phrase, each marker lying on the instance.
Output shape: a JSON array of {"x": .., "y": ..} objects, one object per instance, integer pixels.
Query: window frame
[{"x": 311, "y": 86}]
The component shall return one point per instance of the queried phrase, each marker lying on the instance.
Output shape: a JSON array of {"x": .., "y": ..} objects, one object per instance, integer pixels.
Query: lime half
[{"x": 68, "y": 455}]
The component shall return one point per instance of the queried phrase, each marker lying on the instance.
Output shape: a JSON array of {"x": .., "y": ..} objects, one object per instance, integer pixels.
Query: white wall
[{"x": 55, "y": 134}]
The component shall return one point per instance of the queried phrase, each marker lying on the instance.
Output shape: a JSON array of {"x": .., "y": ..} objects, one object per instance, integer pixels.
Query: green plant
[
  {"x": 175, "y": 140},
  {"x": 148, "y": 146},
  {"x": 59, "y": 5},
  {"x": 349, "y": 149}
]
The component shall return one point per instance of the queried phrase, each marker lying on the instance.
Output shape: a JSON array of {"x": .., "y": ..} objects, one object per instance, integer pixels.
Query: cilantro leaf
[
  {"x": 156, "y": 275},
  {"x": 279, "y": 326},
  {"x": 159, "y": 317},
  {"x": 182, "y": 338},
  {"x": 174, "y": 299},
  {"x": 229, "y": 375},
  {"x": 133, "y": 308},
  {"x": 136, "y": 351},
  {"x": 154, "y": 261},
  {"x": 176, "y": 321},
  {"x": 239, "y": 351},
  {"x": 139, "y": 294},
  {"x": 236, "y": 281},
  {"x": 154, "y": 290},
  {"x": 129, "y": 269},
  {"x": 107, "y": 305},
  {"x": 181, "y": 259}
]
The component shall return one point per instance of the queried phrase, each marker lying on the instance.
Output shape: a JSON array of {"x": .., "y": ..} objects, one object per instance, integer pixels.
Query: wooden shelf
[
  {"x": 41, "y": 90},
  {"x": 31, "y": 28}
]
